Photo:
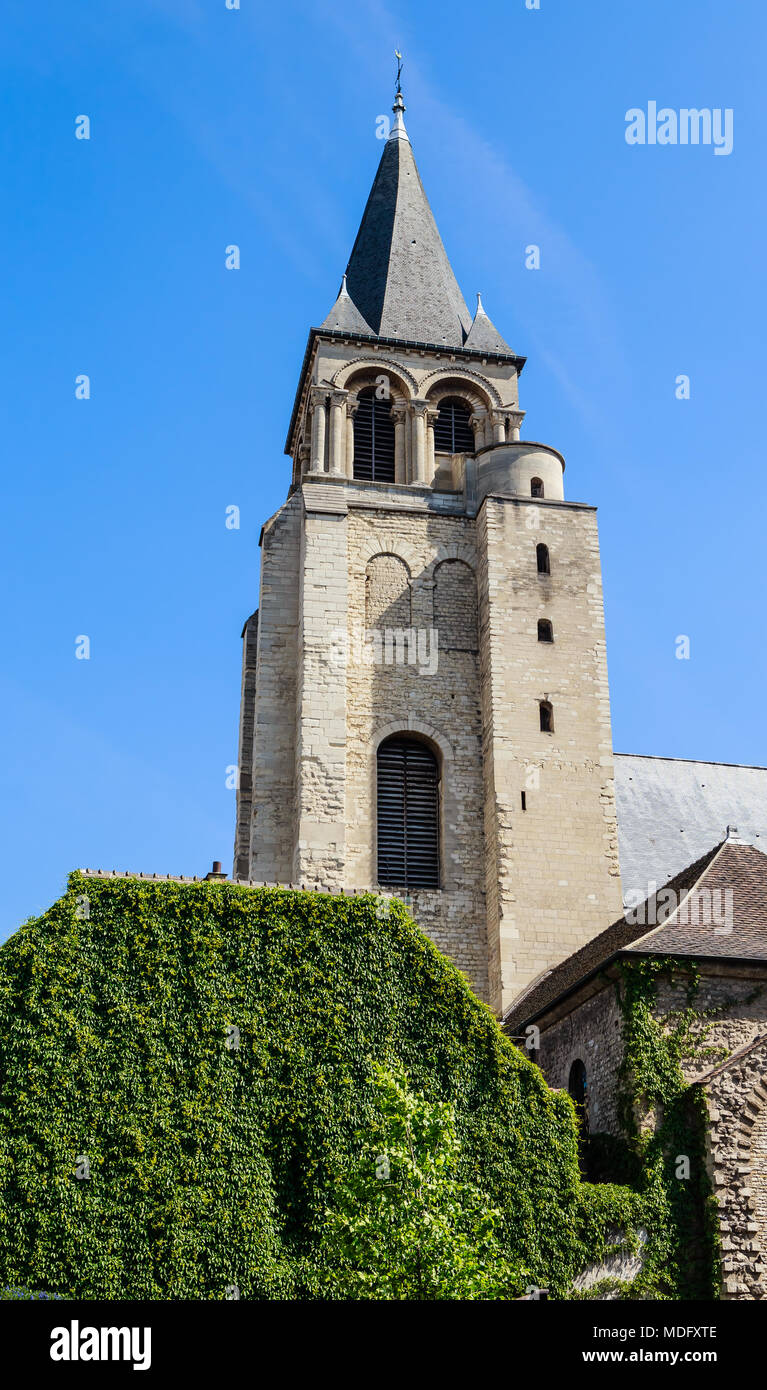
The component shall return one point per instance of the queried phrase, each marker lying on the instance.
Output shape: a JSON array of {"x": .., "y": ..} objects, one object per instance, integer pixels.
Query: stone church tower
[{"x": 425, "y": 704}]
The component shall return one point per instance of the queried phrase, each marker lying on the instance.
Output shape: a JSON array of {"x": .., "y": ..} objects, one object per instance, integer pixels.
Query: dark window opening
[
  {"x": 578, "y": 1091},
  {"x": 542, "y": 557},
  {"x": 547, "y": 717},
  {"x": 524, "y": 802},
  {"x": 373, "y": 439},
  {"x": 452, "y": 432},
  {"x": 408, "y": 815},
  {"x": 536, "y": 487},
  {"x": 545, "y": 630}
]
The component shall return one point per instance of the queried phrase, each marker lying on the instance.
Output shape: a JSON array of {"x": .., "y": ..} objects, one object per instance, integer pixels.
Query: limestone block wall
[
  {"x": 319, "y": 829},
  {"x": 398, "y": 563},
  {"x": 552, "y": 864},
  {"x": 270, "y": 816},
  {"x": 245, "y": 752},
  {"x": 522, "y": 886}
]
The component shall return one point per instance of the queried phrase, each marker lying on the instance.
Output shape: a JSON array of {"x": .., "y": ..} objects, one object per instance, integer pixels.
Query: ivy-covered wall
[
  {"x": 183, "y": 1070},
  {"x": 644, "y": 1031},
  {"x": 665, "y": 1121}
]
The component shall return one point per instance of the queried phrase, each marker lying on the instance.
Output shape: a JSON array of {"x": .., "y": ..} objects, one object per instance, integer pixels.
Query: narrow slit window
[
  {"x": 547, "y": 717},
  {"x": 578, "y": 1088},
  {"x": 545, "y": 630},
  {"x": 542, "y": 558}
]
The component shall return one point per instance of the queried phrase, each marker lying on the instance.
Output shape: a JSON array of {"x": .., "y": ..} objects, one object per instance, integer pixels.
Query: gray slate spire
[
  {"x": 484, "y": 334},
  {"x": 399, "y": 276}
]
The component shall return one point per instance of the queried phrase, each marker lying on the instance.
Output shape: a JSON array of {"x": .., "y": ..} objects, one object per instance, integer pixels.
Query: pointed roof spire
[
  {"x": 399, "y": 276},
  {"x": 483, "y": 332},
  {"x": 345, "y": 314}
]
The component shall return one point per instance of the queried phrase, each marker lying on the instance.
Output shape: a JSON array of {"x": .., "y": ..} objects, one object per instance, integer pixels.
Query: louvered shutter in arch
[
  {"x": 452, "y": 432},
  {"x": 373, "y": 439},
  {"x": 408, "y": 815}
]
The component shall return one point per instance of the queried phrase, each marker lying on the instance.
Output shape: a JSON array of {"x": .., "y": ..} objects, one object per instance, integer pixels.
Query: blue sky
[{"x": 257, "y": 126}]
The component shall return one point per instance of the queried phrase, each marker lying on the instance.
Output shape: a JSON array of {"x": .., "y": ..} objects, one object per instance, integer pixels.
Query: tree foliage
[{"x": 402, "y": 1224}]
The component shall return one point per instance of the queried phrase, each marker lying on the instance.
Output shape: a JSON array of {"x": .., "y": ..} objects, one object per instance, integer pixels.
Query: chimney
[{"x": 215, "y": 873}]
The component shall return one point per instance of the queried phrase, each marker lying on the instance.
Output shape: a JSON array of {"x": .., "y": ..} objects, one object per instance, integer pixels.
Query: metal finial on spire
[
  {"x": 398, "y": 131},
  {"x": 398, "y": 56}
]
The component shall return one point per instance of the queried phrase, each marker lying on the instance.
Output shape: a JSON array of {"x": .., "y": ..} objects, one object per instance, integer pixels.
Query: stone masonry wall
[
  {"x": 553, "y": 879},
  {"x": 590, "y": 1033},
  {"x": 733, "y": 1005},
  {"x": 245, "y": 749},
  {"x": 274, "y": 737},
  {"x": 391, "y": 563}
]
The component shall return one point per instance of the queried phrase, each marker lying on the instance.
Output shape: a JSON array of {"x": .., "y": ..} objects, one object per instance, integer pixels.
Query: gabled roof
[
  {"x": 398, "y": 275},
  {"x": 715, "y": 908},
  {"x": 483, "y": 332}
]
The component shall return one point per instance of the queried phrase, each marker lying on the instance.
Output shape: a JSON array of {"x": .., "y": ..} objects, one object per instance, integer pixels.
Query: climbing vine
[
  {"x": 185, "y": 1071},
  {"x": 664, "y": 1122}
]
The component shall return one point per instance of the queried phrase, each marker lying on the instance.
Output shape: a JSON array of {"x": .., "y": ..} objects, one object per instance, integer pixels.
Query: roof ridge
[{"x": 684, "y": 895}]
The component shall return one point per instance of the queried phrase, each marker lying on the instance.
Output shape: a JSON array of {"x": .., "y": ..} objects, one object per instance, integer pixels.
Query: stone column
[
  {"x": 478, "y": 422},
  {"x": 419, "y": 441},
  {"x": 352, "y": 406},
  {"x": 337, "y": 432},
  {"x": 515, "y": 420},
  {"x": 499, "y": 427},
  {"x": 399, "y": 416},
  {"x": 319, "y": 417},
  {"x": 431, "y": 466}
]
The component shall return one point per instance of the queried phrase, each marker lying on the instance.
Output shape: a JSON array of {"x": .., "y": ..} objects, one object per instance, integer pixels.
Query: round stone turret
[{"x": 510, "y": 470}]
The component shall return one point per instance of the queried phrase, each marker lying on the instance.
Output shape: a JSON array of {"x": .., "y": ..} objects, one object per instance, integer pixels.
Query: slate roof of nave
[{"x": 671, "y": 810}]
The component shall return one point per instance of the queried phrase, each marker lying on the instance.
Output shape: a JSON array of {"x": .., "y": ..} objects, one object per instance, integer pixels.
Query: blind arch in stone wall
[{"x": 387, "y": 592}]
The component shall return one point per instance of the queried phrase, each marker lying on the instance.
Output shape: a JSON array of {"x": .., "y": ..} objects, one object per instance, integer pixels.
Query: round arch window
[{"x": 452, "y": 431}]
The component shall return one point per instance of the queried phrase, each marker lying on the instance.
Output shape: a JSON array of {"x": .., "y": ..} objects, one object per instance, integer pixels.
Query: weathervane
[{"x": 398, "y": 56}]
